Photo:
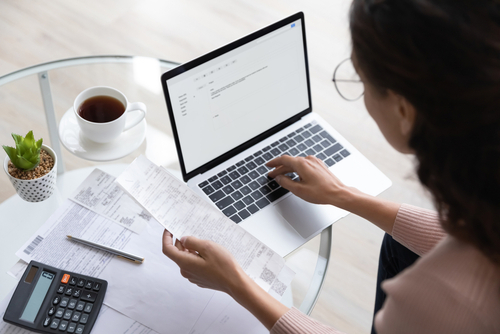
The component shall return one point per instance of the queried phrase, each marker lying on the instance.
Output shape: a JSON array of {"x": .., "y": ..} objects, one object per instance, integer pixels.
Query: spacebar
[{"x": 276, "y": 194}]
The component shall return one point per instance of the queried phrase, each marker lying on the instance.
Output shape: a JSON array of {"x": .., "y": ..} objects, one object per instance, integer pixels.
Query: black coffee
[{"x": 101, "y": 109}]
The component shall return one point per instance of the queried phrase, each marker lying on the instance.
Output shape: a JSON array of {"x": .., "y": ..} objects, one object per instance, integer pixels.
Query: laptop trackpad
[{"x": 306, "y": 218}]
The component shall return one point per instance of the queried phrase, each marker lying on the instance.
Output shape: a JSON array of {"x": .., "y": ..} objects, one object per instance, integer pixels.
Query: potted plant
[{"x": 31, "y": 168}]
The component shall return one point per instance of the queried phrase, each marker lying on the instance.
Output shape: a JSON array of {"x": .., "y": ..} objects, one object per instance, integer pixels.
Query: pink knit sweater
[{"x": 453, "y": 288}]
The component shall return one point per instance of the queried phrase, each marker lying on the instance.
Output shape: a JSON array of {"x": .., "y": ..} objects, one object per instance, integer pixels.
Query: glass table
[{"x": 40, "y": 98}]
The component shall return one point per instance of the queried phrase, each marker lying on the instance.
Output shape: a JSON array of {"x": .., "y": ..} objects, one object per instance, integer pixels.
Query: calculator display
[{"x": 37, "y": 297}]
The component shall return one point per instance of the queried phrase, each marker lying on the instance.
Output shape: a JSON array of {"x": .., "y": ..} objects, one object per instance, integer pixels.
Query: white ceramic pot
[{"x": 36, "y": 190}]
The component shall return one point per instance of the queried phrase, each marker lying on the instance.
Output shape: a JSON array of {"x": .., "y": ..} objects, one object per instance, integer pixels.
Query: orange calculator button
[{"x": 65, "y": 278}]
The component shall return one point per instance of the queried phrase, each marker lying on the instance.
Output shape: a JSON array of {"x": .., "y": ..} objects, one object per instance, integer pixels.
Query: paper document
[
  {"x": 184, "y": 213},
  {"x": 100, "y": 194},
  {"x": 18, "y": 269},
  {"x": 224, "y": 315},
  {"x": 233, "y": 318},
  {"x": 153, "y": 293},
  {"x": 50, "y": 245}
]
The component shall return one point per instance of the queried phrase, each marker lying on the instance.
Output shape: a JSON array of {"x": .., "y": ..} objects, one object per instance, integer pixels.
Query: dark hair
[{"x": 443, "y": 56}]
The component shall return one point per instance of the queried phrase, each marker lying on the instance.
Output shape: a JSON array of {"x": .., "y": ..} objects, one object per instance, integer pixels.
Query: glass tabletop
[{"x": 40, "y": 98}]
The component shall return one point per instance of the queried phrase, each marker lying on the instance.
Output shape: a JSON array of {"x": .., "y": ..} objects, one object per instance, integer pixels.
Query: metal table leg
[{"x": 316, "y": 285}]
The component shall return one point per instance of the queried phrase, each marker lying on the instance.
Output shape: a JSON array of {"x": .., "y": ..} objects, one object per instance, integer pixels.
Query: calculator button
[
  {"x": 84, "y": 318},
  {"x": 81, "y": 283},
  {"x": 69, "y": 291},
  {"x": 54, "y": 324},
  {"x": 56, "y": 300},
  {"x": 59, "y": 313},
  {"x": 89, "y": 284},
  {"x": 71, "y": 327},
  {"x": 72, "y": 304},
  {"x": 76, "y": 317},
  {"x": 89, "y": 296},
  {"x": 64, "y": 302},
  {"x": 60, "y": 289},
  {"x": 73, "y": 280},
  {"x": 97, "y": 286},
  {"x": 80, "y": 306},
  {"x": 52, "y": 310},
  {"x": 46, "y": 322},
  {"x": 76, "y": 293},
  {"x": 65, "y": 278},
  {"x": 63, "y": 325},
  {"x": 67, "y": 314},
  {"x": 79, "y": 329},
  {"x": 88, "y": 307}
]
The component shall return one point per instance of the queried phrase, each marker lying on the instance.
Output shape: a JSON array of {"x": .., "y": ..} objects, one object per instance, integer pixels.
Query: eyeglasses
[{"x": 347, "y": 81}]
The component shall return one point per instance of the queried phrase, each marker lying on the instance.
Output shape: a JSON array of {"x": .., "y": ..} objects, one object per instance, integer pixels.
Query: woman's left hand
[
  {"x": 204, "y": 263},
  {"x": 211, "y": 266}
]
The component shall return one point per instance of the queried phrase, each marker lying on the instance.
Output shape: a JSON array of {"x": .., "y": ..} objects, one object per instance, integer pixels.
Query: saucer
[{"x": 75, "y": 142}]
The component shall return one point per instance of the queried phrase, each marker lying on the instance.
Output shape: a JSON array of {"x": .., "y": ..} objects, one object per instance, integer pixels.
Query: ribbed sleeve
[
  {"x": 452, "y": 289},
  {"x": 418, "y": 229},
  {"x": 295, "y": 322}
]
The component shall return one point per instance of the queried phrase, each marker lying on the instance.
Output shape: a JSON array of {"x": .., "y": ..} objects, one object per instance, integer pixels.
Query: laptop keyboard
[{"x": 244, "y": 188}]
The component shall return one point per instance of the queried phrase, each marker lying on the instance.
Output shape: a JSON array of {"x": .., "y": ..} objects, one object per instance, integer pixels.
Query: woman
[{"x": 431, "y": 71}]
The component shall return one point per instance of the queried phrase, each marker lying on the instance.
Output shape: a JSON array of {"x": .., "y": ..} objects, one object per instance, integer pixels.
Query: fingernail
[
  {"x": 182, "y": 239},
  {"x": 278, "y": 178}
]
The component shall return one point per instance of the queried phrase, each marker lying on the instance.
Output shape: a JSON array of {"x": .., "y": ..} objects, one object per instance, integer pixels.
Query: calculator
[{"x": 51, "y": 300}]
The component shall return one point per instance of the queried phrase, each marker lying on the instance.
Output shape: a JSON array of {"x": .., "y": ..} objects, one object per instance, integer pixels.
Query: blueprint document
[{"x": 181, "y": 211}]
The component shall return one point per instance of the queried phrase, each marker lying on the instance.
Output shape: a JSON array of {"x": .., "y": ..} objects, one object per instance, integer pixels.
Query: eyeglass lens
[{"x": 347, "y": 81}]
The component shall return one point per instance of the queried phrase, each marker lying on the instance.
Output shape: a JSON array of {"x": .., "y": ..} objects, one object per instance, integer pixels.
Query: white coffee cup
[{"x": 108, "y": 131}]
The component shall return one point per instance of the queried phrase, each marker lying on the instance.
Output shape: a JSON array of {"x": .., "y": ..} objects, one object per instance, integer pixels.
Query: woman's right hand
[{"x": 317, "y": 184}]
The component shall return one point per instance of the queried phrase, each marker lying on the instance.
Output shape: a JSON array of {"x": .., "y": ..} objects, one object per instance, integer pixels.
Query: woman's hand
[
  {"x": 211, "y": 266},
  {"x": 317, "y": 184},
  {"x": 204, "y": 263}
]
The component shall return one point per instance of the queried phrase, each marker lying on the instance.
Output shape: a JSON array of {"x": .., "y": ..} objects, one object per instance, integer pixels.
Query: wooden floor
[{"x": 33, "y": 32}]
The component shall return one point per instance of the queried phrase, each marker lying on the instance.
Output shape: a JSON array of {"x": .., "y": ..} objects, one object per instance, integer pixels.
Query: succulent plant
[{"x": 26, "y": 155}]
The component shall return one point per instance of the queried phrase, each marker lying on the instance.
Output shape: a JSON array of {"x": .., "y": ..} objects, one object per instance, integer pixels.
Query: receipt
[
  {"x": 224, "y": 315},
  {"x": 183, "y": 213},
  {"x": 100, "y": 194}
]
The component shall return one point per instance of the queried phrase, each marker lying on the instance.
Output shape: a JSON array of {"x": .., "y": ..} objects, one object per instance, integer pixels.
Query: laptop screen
[{"x": 226, "y": 101}]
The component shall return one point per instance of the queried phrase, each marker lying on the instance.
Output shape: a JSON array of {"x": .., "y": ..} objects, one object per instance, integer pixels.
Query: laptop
[{"x": 239, "y": 106}]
